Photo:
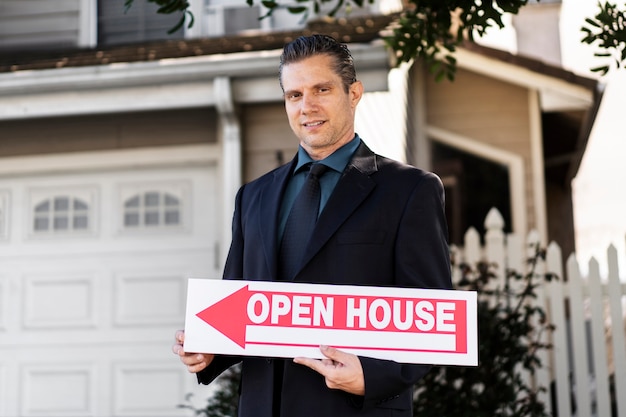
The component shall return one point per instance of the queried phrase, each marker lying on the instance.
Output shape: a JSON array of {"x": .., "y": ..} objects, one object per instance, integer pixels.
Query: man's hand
[
  {"x": 341, "y": 370},
  {"x": 195, "y": 362}
]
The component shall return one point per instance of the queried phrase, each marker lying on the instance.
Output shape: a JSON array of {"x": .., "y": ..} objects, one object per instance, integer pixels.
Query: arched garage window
[
  {"x": 61, "y": 214},
  {"x": 152, "y": 209}
]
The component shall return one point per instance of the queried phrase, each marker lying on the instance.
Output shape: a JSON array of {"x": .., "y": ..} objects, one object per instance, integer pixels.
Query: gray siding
[
  {"x": 112, "y": 131},
  {"x": 268, "y": 140},
  {"x": 37, "y": 24}
]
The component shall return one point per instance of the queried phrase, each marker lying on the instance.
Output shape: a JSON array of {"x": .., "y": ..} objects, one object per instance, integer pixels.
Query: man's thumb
[{"x": 330, "y": 352}]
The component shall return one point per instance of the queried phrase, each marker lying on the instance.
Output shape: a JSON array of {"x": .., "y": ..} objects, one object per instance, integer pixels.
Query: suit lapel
[{"x": 353, "y": 187}]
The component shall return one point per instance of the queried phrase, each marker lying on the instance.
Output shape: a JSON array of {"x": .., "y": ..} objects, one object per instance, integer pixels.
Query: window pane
[
  {"x": 151, "y": 199},
  {"x": 151, "y": 218},
  {"x": 80, "y": 205},
  {"x": 132, "y": 202},
  {"x": 61, "y": 203},
  {"x": 80, "y": 222},
  {"x": 43, "y": 207},
  {"x": 172, "y": 217},
  {"x": 131, "y": 219},
  {"x": 41, "y": 224},
  {"x": 170, "y": 200},
  {"x": 61, "y": 223}
]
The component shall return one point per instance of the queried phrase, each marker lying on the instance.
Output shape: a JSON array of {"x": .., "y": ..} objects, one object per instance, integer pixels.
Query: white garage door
[{"x": 94, "y": 257}]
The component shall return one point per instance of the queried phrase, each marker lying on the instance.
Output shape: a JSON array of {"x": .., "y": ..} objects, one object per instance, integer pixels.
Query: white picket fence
[{"x": 585, "y": 371}]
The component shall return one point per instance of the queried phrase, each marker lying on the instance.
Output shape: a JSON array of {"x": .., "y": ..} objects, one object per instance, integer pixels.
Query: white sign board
[{"x": 281, "y": 319}]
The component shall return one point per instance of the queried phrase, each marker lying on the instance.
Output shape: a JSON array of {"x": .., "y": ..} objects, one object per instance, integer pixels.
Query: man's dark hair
[{"x": 308, "y": 46}]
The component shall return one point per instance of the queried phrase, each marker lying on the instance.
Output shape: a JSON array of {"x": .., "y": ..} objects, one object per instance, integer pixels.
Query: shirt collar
[{"x": 336, "y": 161}]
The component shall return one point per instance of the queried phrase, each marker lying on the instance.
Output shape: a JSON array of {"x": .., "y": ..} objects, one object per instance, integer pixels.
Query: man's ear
[{"x": 356, "y": 92}]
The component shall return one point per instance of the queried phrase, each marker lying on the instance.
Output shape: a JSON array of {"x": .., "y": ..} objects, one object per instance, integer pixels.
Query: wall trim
[
  {"x": 77, "y": 162},
  {"x": 537, "y": 165}
]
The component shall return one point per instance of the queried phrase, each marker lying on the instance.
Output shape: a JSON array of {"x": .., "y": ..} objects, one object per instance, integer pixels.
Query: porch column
[{"x": 231, "y": 164}]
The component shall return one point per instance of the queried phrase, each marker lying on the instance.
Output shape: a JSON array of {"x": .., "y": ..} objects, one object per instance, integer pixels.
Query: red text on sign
[
  {"x": 304, "y": 310},
  {"x": 352, "y": 313}
]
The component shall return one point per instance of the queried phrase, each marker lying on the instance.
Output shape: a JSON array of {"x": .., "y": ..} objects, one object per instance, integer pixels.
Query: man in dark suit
[{"x": 381, "y": 223}]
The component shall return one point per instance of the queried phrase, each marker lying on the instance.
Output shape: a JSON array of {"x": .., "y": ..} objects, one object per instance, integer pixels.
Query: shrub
[
  {"x": 225, "y": 400},
  {"x": 510, "y": 333}
]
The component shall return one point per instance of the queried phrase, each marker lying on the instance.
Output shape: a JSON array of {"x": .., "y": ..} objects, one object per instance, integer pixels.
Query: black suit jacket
[{"x": 384, "y": 225}]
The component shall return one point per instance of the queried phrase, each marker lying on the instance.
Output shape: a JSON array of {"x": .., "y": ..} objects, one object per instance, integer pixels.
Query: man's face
[{"x": 320, "y": 112}]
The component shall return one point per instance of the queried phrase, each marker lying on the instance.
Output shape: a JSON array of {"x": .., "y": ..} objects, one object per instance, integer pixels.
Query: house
[
  {"x": 509, "y": 133},
  {"x": 120, "y": 154}
]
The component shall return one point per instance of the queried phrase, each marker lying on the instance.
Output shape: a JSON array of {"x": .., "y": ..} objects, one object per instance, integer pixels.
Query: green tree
[
  {"x": 607, "y": 29},
  {"x": 432, "y": 29}
]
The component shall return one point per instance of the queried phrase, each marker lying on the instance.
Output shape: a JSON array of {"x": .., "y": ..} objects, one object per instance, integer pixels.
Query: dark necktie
[{"x": 300, "y": 224}]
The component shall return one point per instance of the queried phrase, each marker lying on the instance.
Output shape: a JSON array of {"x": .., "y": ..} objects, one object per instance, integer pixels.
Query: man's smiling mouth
[{"x": 313, "y": 124}]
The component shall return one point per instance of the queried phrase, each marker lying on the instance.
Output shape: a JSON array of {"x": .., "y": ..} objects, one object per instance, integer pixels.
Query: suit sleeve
[
  {"x": 232, "y": 270},
  {"x": 422, "y": 251},
  {"x": 234, "y": 262},
  {"x": 422, "y": 260}
]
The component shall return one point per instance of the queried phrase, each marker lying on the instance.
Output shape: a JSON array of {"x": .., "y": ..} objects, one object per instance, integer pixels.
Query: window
[
  {"x": 139, "y": 23},
  {"x": 230, "y": 19},
  {"x": 473, "y": 185},
  {"x": 152, "y": 209},
  {"x": 61, "y": 214}
]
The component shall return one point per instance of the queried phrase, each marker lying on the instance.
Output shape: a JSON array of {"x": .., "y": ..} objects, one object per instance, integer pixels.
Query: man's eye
[{"x": 293, "y": 96}]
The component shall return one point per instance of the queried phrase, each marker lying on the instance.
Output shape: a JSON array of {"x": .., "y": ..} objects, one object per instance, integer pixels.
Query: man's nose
[{"x": 309, "y": 103}]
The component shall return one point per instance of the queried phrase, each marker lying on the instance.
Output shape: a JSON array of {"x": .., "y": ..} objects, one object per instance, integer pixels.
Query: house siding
[
  {"x": 105, "y": 132},
  {"x": 489, "y": 111},
  {"x": 268, "y": 140},
  {"x": 39, "y": 23}
]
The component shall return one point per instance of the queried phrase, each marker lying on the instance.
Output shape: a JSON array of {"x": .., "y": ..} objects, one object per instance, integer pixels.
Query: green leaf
[
  {"x": 337, "y": 7},
  {"x": 602, "y": 69},
  {"x": 297, "y": 10}
]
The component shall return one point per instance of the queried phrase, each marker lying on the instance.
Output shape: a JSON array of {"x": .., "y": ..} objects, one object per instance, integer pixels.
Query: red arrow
[{"x": 226, "y": 315}]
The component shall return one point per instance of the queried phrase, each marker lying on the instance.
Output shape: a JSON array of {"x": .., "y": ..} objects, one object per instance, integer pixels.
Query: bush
[
  {"x": 225, "y": 400},
  {"x": 510, "y": 330}
]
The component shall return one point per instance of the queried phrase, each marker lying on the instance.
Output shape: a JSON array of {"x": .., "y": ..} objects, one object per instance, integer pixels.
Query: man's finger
[{"x": 311, "y": 363}]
